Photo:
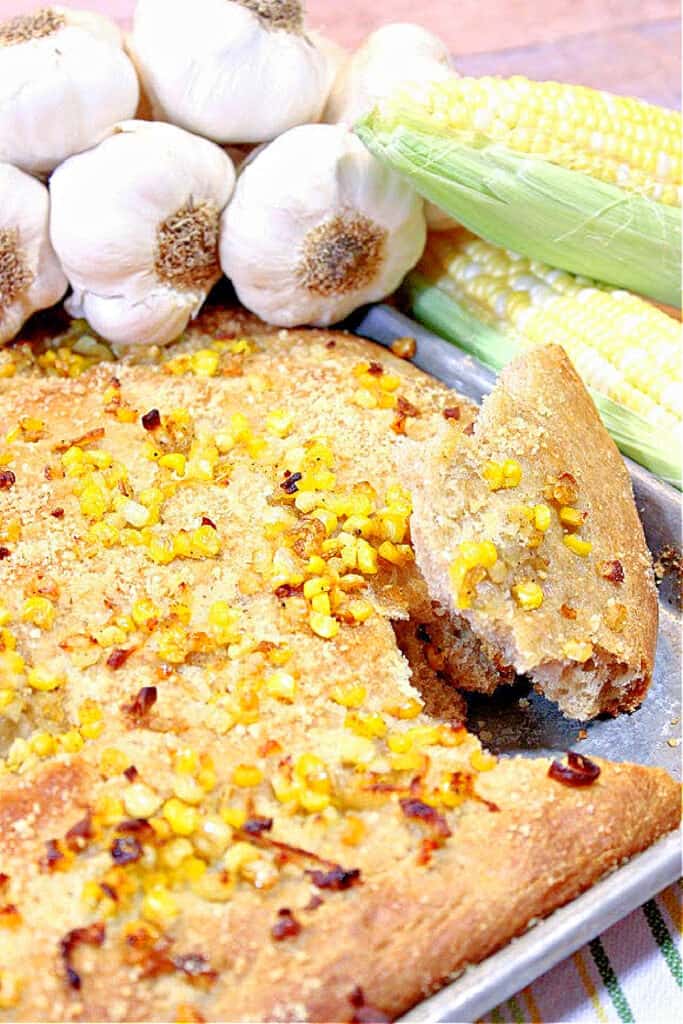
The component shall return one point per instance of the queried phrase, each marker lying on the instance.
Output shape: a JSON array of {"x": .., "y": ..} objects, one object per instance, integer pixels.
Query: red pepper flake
[
  {"x": 286, "y": 926},
  {"x": 93, "y": 935},
  {"x": 376, "y": 369},
  {"x": 79, "y": 835},
  {"x": 143, "y": 701},
  {"x": 10, "y": 916},
  {"x": 118, "y": 657},
  {"x": 57, "y": 513},
  {"x": 406, "y": 408},
  {"x": 256, "y": 825},
  {"x": 418, "y": 810},
  {"x": 331, "y": 343},
  {"x": 452, "y": 412},
  {"x": 364, "y": 1013},
  {"x": 336, "y": 879},
  {"x": 288, "y": 590},
  {"x": 126, "y": 850},
  {"x": 131, "y": 773},
  {"x": 151, "y": 420},
  {"x": 195, "y": 967},
  {"x": 7, "y": 479},
  {"x": 4, "y": 553},
  {"x": 567, "y": 612},
  {"x": 579, "y": 770},
  {"x": 4, "y": 881},
  {"x": 469, "y": 429},
  {"x": 289, "y": 484},
  {"x": 52, "y": 856},
  {"x": 136, "y": 826},
  {"x": 208, "y": 522},
  {"x": 612, "y": 571}
]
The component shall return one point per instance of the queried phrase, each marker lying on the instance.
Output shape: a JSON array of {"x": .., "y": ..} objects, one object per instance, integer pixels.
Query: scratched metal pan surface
[{"x": 535, "y": 728}]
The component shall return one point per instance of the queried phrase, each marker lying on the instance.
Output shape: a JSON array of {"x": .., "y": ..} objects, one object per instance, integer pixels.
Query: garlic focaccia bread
[
  {"x": 221, "y": 796},
  {"x": 528, "y": 530}
]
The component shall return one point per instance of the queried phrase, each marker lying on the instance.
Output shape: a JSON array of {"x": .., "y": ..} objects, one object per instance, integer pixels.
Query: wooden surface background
[{"x": 629, "y": 46}]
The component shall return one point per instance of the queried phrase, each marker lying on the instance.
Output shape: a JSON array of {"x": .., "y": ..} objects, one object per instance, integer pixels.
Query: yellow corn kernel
[
  {"x": 73, "y": 456},
  {"x": 281, "y": 685},
  {"x": 279, "y": 422},
  {"x": 44, "y": 679},
  {"x": 188, "y": 789},
  {"x": 5, "y": 614},
  {"x": 324, "y": 626},
  {"x": 205, "y": 542},
  {"x": 482, "y": 761},
  {"x": 314, "y": 802},
  {"x": 93, "y": 502},
  {"x": 239, "y": 855},
  {"x": 247, "y": 775},
  {"x": 366, "y": 557},
  {"x": 38, "y": 610},
  {"x": 98, "y": 458},
  {"x": 175, "y": 851},
  {"x": 321, "y": 604},
  {"x": 571, "y": 518},
  {"x": 493, "y": 474},
  {"x": 7, "y": 697},
  {"x": 580, "y": 547},
  {"x": 140, "y": 801},
  {"x": 424, "y": 736},
  {"x": 360, "y": 610},
  {"x": 43, "y": 744},
  {"x": 175, "y": 461},
  {"x": 397, "y": 554},
  {"x": 541, "y": 517},
  {"x": 355, "y": 750},
  {"x": 392, "y": 526},
  {"x": 366, "y": 725},
  {"x": 32, "y": 428},
  {"x": 578, "y": 650},
  {"x": 126, "y": 415},
  {"x": 186, "y": 762},
  {"x": 352, "y": 696},
  {"x": 354, "y": 830},
  {"x": 159, "y": 906},
  {"x": 71, "y": 741},
  {"x": 8, "y": 641},
  {"x": 412, "y": 761},
  {"x": 182, "y": 818},
  {"x": 11, "y": 985},
  {"x": 205, "y": 362},
  {"x": 113, "y": 762},
  {"x": 316, "y": 586},
  {"x": 110, "y": 809},
  {"x": 399, "y": 742},
  {"x": 235, "y": 817},
  {"x": 528, "y": 595},
  {"x": 410, "y": 708},
  {"x": 145, "y": 613},
  {"x": 482, "y": 553}
]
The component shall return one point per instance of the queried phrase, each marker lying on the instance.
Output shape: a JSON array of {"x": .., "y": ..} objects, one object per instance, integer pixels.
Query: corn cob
[
  {"x": 580, "y": 179},
  {"x": 494, "y": 301}
]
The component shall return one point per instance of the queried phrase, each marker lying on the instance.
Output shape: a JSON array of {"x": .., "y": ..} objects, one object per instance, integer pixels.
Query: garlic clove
[
  {"x": 336, "y": 58},
  {"x": 64, "y": 80},
  {"x": 393, "y": 55},
  {"x": 135, "y": 223},
  {"x": 234, "y": 70},
  {"x": 317, "y": 227},
  {"x": 30, "y": 275}
]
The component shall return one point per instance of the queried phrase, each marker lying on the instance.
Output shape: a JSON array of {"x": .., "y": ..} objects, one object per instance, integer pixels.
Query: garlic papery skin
[
  {"x": 317, "y": 227},
  {"x": 231, "y": 70},
  {"x": 30, "y": 275},
  {"x": 64, "y": 80},
  {"x": 392, "y": 56},
  {"x": 135, "y": 224}
]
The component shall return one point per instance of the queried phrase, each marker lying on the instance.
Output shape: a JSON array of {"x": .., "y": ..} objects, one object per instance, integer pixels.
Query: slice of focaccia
[
  {"x": 528, "y": 530},
  {"x": 223, "y": 793}
]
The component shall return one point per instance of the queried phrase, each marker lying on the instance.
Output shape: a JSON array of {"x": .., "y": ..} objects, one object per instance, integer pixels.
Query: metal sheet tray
[{"x": 536, "y": 728}]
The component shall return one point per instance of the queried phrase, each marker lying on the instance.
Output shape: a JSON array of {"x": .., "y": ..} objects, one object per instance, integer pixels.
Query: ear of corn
[
  {"x": 582, "y": 180},
  {"x": 493, "y": 302}
]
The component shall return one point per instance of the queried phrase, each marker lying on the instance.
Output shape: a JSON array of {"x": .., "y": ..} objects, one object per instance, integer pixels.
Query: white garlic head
[
  {"x": 392, "y": 56},
  {"x": 64, "y": 80},
  {"x": 317, "y": 227},
  {"x": 135, "y": 224},
  {"x": 30, "y": 275},
  {"x": 231, "y": 70}
]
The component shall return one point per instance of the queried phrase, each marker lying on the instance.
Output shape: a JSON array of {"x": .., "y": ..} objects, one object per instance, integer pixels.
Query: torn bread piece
[{"x": 528, "y": 529}]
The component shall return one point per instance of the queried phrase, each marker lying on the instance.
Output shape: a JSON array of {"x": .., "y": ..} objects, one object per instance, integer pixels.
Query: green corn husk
[
  {"x": 444, "y": 315},
  {"x": 561, "y": 217}
]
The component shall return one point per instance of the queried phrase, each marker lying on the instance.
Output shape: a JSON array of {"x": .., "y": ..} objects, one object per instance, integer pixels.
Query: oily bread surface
[{"x": 541, "y": 416}]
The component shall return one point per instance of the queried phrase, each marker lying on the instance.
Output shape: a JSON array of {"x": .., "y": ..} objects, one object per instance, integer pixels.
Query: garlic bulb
[
  {"x": 64, "y": 80},
  {"x": 231, "y": 70},
  {"x": 391, "y": 56},
  {"x": 30, "y": 275},
  {"x": 336, "y": 58},
  {"x": 318, "y": 227},
  {"x": 135, "y": 224}
]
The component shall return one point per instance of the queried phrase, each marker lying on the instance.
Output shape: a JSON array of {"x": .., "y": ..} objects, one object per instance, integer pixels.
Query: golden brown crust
[
  {"x": 541, "y": 416},
  {"x": 153, "y": 823}
]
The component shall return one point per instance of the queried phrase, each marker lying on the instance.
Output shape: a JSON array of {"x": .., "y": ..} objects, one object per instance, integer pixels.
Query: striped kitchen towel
[{"x": 631, "y": 974}]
